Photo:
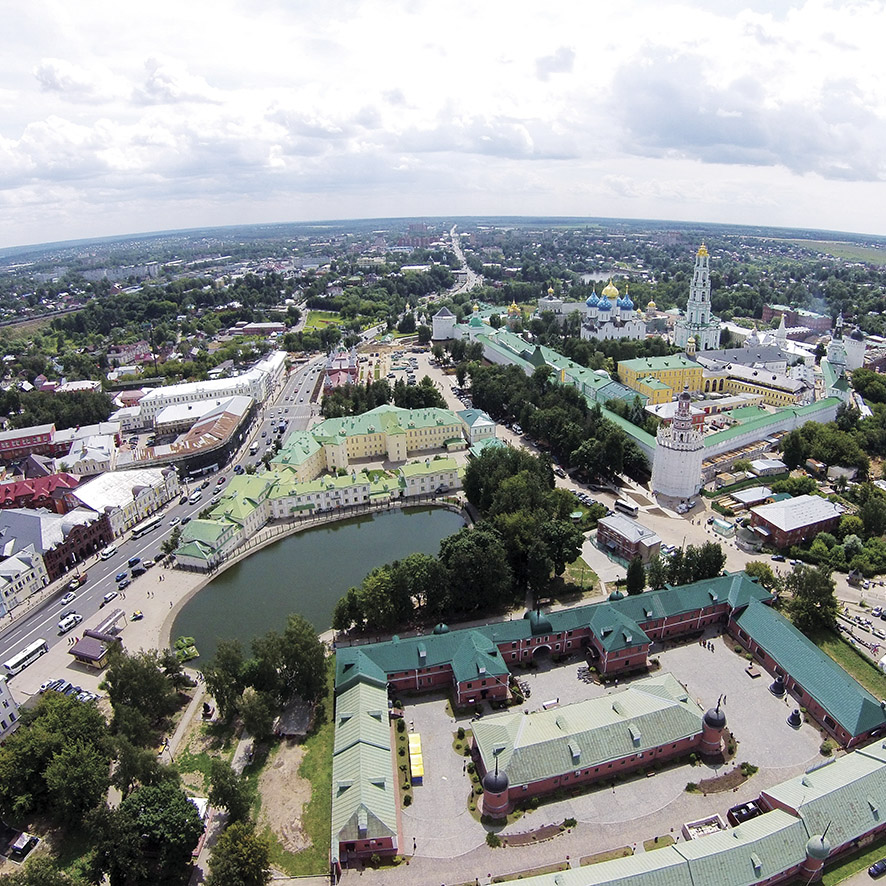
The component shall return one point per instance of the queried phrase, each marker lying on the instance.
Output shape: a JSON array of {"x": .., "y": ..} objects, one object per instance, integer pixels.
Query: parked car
[
  {"x": 123, "y": 585},
  {"x": 148, "y": 564},
  {"x": 778, "y": 558},
  {"x": 185, "y": 520},
  {"x": 120, "y": 576},
  {"x": 138, "y": 570},
  {"x": 878, "y": 868},
  {"x": 134, "y": 561},
  {"x": 107, "y": 599}
]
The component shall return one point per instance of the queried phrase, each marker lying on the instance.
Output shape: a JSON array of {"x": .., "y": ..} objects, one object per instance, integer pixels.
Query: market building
[{"x": 794, "y": 520}]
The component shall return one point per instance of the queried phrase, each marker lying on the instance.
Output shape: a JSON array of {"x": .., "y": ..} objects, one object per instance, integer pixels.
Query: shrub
[
  {"x": 461, "y": 732},
  {"x": 569, "y": 822},
  {"x": 693, "y": 759},
  {"x": 375, "y": 859},
  {"x": 737, "y": 649},
  {"x": 467, "y": 751},
  {"x": 692, "y": 788},
  {"x": 748, "y": 769},
  {"x": 402, "y": 752},
  {"x": 401, "y": 725},
  {"x": 471, "y": 767},
  {"x": 458, "y": 745},
  {"x": 493, "y": 841},
  {"x": 407, "y": 799},
  {"x": 827, "y": 747}
]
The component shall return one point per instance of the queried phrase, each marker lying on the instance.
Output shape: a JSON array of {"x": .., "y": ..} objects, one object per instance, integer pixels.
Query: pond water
[{"x": 307, "y": 573}]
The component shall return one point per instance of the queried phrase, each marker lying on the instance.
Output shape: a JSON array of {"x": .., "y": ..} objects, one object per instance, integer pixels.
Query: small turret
[
  {"x": 495, "y": 793},
  {"x": 712, "y": 725}
]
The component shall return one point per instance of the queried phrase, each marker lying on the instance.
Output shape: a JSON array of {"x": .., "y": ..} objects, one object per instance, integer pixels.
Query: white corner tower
[
  {"x": 679, "y": 452},
  {"x": 698, "y": 323}
]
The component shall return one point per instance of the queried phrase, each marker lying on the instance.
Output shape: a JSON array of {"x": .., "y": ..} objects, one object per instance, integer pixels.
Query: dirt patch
[
  {"x": 544, "y": 833},
  {"x": 723, "y": 782},
  {"x": 284, "y": 794}
]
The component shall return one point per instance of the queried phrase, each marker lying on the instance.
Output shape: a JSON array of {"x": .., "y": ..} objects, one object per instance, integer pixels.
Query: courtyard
[{"x": 450, "y": 844}]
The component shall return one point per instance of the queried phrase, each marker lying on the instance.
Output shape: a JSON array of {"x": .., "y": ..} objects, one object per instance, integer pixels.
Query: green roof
[
  {"x": 847, "y": 796},
  {"x": 652, "y": 382},
  {"x": 531, "y": 747},
  {"x": 300, "y": 446},
  {"x": 749, "y": 853},
  {"x": 196, "y": 550},
  {"x": 807, "y": 413},
  {"x": 208, "y": 531},
  {"x": 622, "y": 616},
  {"x": 384, "y": 419},
  {"x": 361, "y": 714},
  {"x": 363, "y": 794},
  {"x": 431, "y": 466},
  {"x": 487, "y": 442},
  {"x": 846, "y": 700}
]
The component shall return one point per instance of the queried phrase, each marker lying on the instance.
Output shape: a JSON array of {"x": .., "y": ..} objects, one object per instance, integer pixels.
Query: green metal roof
[
  {"x": 196, "y": 550},
  {"x": 385, "y": 419},
  {"x": 652, "y": 382},
  {"x": 361, "y": 714},
  {"x": 846, "y": 700},
  {"x": 299, "y": 447},
  {"x": 431, "y": 466},
  {"x": 623, "y": 616},
  {"x": 808, "y": 413},
  {"x": 363, "y": 794},
  {"x": 847, "y": 796},
  {"x": 544, "y": 744},
  {"x": 750, "y": 853},
  {"x": 208, "y": 531}
]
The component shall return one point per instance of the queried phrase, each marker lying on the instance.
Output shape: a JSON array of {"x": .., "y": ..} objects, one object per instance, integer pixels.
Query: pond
[{"x": 307, "y": 573}]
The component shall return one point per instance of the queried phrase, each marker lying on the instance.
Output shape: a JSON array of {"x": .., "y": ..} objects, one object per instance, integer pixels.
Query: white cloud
[{"x": 761, "y": 111}]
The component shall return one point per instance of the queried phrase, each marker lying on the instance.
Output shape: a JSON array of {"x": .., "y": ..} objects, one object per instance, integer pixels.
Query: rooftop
[{"x": 798, "y": 512}]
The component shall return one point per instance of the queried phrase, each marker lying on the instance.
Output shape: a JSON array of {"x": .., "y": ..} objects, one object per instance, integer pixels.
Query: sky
[{"x": 119, "y": 118}]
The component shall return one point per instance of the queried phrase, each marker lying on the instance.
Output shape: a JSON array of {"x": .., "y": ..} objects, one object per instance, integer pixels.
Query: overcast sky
[{"x": 125, "y": 117}]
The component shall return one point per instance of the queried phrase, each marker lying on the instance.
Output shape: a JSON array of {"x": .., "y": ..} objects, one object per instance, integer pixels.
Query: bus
[
  {"x": 627, "y": 507},
  {"x": 146, "y": 527},
  {"x": 27, "y": 656}
]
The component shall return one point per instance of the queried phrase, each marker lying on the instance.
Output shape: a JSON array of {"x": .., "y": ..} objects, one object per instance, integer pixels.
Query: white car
[
  {"x": 175, "y": 521},
  {"x": 107, "y": 553},
  {"x": 70, "y": 597}
]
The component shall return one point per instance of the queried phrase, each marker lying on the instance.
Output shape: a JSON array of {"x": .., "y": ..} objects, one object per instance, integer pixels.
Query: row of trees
[
  {"x": 523, "y": 537},
  {"x": 62, "y": 410},
  {"x": 357, "y": 399}
]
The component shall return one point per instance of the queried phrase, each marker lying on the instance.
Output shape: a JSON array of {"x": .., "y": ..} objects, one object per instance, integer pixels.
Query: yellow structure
[{"x": 674, "y": 372}]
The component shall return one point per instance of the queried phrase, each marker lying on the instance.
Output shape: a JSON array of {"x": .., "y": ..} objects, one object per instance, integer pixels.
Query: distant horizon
[{"x": 8, "y": 251}]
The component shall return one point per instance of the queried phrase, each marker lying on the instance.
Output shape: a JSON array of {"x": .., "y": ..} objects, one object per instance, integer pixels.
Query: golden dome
[
  {"x": 550, "y": 291},
  {"x": 610, "y": 291},
  {"x": 513, "y": 309},
  {"x": 702, "y": 250},
  {"x": 476, "y": 307},
  {"x": 651, "y": 306}
]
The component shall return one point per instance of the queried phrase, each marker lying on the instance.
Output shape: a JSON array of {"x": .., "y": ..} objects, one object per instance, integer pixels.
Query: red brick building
[{"x": 795, "y": 520}]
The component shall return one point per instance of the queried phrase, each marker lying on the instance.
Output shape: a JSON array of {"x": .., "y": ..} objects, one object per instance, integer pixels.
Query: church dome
[
  {"x": 616, "y": 595},
  {"x": 857, "y": 334},
  {"x": 476, "y": 307},
  {"x": 628, "y": 303},
  {"x": 715, "y": 718},
  {"x": 818, "y": 847},
  {"x": 610, "y": 290},
  {"x": 513, "y": 309},
  {"x": 495, "y": 782},
  {"x": 593, "y": 300},
  {"x": 550, "y": 292},
  {"x": 605, "y": 304},
  {"x": 441, "y": 628},
  {"x": 702, "y": 250},
  {"x": 651, "y": 306}
]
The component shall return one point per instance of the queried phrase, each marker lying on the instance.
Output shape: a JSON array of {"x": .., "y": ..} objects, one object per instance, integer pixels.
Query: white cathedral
[
  {"x": 611, "y": 316},
  {"x": 698, "y": 323}
]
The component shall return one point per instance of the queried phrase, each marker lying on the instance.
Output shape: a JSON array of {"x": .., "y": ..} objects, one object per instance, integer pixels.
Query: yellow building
[{"x": 675, "y": 372}]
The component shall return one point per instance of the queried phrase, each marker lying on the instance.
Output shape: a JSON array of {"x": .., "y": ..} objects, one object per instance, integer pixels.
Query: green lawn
[
  {"x": 848, "y": 251},
  {"x": 317, "y": 320},
  {"x": 317, "y": 816},
  {"x": 852, "y": 662},
  {"x": 851, "y": 864}
]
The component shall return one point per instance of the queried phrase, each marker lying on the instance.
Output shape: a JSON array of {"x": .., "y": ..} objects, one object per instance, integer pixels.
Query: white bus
[
  {"x": 25, "y": 657},
  {"x": 627, "y": 507},
  {"x": 146, "y": 527}
]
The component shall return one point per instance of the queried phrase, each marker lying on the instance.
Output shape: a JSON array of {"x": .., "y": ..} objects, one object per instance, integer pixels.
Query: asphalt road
[{"x": 292, "y": 404}]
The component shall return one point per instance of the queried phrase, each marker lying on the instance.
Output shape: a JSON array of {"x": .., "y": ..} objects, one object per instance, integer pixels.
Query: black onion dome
[
  {"x": 495, "y": 782},
  {"x": 715, "y": 718},
  {"x": 441, "y": 628}
]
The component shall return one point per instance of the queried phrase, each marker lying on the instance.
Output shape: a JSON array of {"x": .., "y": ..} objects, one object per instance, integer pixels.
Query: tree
[
  {"x": 812, "y": 604},
  {"x": 636, "y": 579},
  {"x": 148, "y": 839},
  {"x": 240, "y": 858},
  {"x": 77, "y": 780},
  {"x": 136, "y": 685},
  {"x": 224, "y": 676},
  {"x": 563, "y": 540},
  {"x": 229, "y": 791},
  {"x": 477, "y": 569},
  {"x": 656, "y": 573},
  {"x": 137, "y": 766},
  {"x": 302, "y": 659},
  {"x": 172, "y": 542},
  {"x": 40, "y": 870},
  {"x": 764, "y": 574},
  {"x": 257, "y": 710}
]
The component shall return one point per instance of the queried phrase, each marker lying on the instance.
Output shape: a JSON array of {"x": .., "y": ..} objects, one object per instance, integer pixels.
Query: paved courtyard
[{"x": 450, "y": 844}]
